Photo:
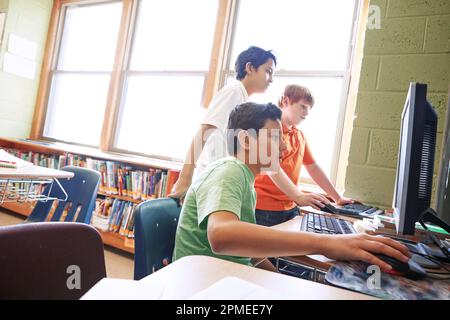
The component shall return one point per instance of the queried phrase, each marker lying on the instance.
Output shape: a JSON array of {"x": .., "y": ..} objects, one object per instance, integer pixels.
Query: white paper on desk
[
  {"x": 5, "y": 156},
  {"x": 120, "y": 289},
  {"x": 19, "y": 66},
  {"x": 232, "y": 288},
  {"x": 22, "y": 47}
]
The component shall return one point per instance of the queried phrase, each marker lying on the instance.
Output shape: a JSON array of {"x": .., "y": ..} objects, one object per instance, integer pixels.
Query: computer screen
[{"x": 415, "y": 163}]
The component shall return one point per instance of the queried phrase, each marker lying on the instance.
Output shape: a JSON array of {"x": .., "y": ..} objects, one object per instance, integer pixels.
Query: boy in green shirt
[{"x": 218, "y": 214}]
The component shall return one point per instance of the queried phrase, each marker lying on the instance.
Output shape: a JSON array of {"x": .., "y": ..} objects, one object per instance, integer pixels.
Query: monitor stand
[{"x": 430, "y": 215}]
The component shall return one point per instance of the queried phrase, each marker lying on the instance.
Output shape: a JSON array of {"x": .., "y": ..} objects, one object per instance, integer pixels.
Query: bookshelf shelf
[
  {"x": 24, "y": 208},
  {"x": 148, "y": 172},
  {"x": 117, "y": 241},
  {"x": 119, "y": 197},
  {"x": 61, "y": 148}
]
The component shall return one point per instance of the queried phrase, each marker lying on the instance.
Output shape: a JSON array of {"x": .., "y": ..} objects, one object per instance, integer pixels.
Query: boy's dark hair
[
  {"x": 247, "y": 116},
  {"x": 256, "y": 56}
]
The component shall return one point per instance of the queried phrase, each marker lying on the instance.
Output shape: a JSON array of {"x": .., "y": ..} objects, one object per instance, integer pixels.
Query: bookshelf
[{"x": 127, "y": 180}]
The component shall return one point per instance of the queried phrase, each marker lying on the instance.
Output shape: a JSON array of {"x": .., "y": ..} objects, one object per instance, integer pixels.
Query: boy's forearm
[
  {"x": 282, "y": 181},
  {"x": 187, "y": 171},
  {"x": 195, "y": 149},
  {"x": 322, "y": 180},
  {"x": 249, "y": 240}
]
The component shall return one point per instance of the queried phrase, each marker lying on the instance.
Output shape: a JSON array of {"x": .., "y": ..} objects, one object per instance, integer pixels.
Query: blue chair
[
  {"x": 154, "y": 235},
  {"x": 81, "y": 194}
]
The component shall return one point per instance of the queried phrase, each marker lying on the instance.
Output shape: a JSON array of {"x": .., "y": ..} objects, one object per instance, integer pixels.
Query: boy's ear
[
  {"x": 243, "y": 140},
  {"x": 284, "y": 101},
  {"x": 249, "y": 68}
]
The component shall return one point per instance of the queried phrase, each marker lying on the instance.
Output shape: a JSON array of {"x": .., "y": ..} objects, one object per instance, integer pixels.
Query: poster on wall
[
  {"x": 22, "y": 47},
  {"x": 19, "y": 66},
  {"x": 20, "y": 59}
]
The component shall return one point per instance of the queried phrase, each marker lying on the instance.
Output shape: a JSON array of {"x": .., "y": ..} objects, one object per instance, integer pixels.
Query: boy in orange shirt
[{"x": 273, "y": 206}]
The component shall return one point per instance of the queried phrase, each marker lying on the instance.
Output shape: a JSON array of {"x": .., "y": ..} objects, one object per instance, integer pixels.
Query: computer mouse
[
  {"x": 328, "y": 207},
  {"x": 410, "y": 269}
]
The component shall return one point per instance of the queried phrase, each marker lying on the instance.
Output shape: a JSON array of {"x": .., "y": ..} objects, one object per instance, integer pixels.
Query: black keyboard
[
  {"x": 319, "y": 223},
  {"x": 356, "y": 210}
]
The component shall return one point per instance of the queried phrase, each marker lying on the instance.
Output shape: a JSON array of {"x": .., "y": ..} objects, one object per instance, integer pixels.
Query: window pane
[
  {"x": 174, "y": 35},
  {"x": 90, "y": 37},
  {"x": 304, "y": 34},
  {"x": 160, "y": 114},
  {"x": 321, "y": 124},
  {"x": 76, "y": 108}
]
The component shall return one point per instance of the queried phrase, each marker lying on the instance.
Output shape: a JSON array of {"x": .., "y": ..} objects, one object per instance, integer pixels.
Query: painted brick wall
[
  {"x": 28, "y": 19},
  {"x": 413, "y": 44}
]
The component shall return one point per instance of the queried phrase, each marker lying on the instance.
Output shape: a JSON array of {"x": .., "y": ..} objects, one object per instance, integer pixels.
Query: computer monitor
[
  {"x": 443, "y": 185},
  {"x": 415, "y": 163}
]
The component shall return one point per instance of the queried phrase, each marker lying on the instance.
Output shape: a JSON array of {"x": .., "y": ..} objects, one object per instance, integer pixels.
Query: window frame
[
  {"x": 345, "y": 74},
  {"x": 215, "y": 76},
  {"x": 120, "y": 68},
  {"x": 127, "y": 73},
  {"x": 50, "y": 63}
]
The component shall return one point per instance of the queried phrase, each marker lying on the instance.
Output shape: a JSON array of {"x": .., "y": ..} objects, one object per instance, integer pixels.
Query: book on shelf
[
  {"x": 114, "y": 215},
  {"x": 172, "y": 177}
]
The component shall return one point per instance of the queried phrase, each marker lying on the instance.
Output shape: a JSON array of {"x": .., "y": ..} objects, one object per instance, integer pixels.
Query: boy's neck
[
  {"x": 248, "y": 86},
  {"x": 244, "y": 158},
  {"x": 285, "y": 122}
]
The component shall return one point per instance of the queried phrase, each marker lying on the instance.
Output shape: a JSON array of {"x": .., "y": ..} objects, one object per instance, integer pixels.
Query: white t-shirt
[{"x": 217, "y": 115}]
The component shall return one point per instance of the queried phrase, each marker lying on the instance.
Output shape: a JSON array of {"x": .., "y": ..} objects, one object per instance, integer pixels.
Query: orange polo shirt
[{"x": 268, "y": 196}]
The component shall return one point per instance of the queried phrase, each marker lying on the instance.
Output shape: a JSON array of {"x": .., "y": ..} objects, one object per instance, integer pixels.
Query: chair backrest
[
  {"x": 52, "y": 260},
  {"x": 81, "y": 191},
  {"x": 154, "y": 234}
]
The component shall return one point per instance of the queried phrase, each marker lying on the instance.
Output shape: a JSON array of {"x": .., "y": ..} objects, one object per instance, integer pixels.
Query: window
[
  {"x": 131, "y": 75},
  {"x": 161, "y": 104},
  {"x": 82, "y": 73},
  {"x": 312, "y": 41}
]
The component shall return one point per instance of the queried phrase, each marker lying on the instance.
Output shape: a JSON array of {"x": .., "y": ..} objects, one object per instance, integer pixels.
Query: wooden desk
[
  {"x": 189, "y": 275},
  {"x": 26, "y": 177}
]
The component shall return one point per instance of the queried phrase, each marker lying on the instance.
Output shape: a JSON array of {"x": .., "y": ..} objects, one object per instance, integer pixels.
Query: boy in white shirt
[{"x": 254, "y": 68}]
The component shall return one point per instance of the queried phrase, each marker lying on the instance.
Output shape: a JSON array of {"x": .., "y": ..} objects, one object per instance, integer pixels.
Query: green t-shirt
[{"x": 225, "y": 185}]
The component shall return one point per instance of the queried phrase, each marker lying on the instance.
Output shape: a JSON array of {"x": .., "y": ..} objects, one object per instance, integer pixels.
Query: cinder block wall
[
  {"x": 413, "y": 44},
  {"x": 28, "y": 19},
  {"x": 4, "y": 5}
]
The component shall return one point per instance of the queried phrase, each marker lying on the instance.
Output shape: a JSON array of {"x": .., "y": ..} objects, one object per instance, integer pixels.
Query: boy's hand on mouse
[
  {"x": 314, "y": 200},
  {"x": 363, "y": 247}
]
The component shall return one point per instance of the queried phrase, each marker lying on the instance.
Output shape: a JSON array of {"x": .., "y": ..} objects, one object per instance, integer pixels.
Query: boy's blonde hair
[{"x": 295, "y": 93}]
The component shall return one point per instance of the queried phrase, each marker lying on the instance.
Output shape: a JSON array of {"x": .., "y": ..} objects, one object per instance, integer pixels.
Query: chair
[
  {"x": 53, "y": 260},
  {"x": 154, "y": 234},
  {"x": 81, "y": 191}
]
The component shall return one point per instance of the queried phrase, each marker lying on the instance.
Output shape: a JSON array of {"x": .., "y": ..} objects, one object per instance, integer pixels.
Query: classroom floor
[{"x": 118, "y": 265}]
